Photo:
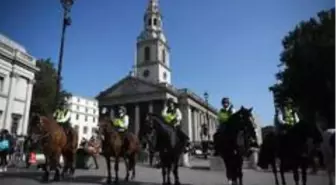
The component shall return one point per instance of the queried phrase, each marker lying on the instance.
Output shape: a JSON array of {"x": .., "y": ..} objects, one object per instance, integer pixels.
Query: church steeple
[
  {"x": 153, "y": 18},
  {"x": 152, "y": 63}
]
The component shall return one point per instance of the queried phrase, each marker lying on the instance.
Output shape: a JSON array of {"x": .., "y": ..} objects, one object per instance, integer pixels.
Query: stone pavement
[{"x": 150, "y": 176}]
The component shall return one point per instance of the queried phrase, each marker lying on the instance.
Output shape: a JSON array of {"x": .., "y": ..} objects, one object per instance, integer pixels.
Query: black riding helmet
[
  {"x": 225, "y": 100},
  {"x": 170, "y": 100}
]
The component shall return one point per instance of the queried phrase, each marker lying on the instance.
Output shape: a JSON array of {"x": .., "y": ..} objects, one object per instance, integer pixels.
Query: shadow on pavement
[{"x": 82, "y": 179}]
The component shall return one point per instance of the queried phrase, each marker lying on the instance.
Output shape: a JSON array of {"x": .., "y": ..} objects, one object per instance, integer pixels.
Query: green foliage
[
  {"x": 308, "y": 67},
  {"x": 44, "y": 91}
]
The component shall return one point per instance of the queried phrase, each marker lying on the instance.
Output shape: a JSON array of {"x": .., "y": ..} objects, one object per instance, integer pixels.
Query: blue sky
[{"x": 228, "y": 48}]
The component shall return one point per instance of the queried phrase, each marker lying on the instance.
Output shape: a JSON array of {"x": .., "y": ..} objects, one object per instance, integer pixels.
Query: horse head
[
  {"x": 152, "y": 128},
  {"x": 246, "y": 125},
  {"x": 39, "y": 125}
]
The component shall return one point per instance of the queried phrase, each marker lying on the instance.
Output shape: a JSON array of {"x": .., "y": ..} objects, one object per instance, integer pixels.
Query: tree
[
  {"x": 308, "y": 67},
  {"x": 43, "y": 98}
]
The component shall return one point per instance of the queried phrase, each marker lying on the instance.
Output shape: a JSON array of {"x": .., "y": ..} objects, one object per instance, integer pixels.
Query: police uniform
[
  {"x": 173, "y": 117},
  {"x": 62, "y": 116},
  {"x": 122, "y": 120}
]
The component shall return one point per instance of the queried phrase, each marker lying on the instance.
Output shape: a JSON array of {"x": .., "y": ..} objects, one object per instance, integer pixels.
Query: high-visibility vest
[
  {"x": 224, "y": 115},
  {"x": 170, "y": 117},
  {"x": 119, "y": 122},
  {"x": 289, "y": 116}
]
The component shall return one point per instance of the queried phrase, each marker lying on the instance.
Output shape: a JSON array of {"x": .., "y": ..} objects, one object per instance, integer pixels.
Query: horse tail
[{"x": 267, "y": 151}]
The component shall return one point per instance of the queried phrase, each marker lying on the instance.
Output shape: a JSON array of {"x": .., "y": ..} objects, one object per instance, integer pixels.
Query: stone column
[
  {"x": 195, "y": 122},
  {"x": 10, "y": 100},
  {"x": 150, "y": 107},
  {"x": 25, "y": 121},
  {"x": 137, "y": 119}
]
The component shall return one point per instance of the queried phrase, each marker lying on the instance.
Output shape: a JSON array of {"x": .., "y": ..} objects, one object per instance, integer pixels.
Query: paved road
[{"x": 150, "y": 176}]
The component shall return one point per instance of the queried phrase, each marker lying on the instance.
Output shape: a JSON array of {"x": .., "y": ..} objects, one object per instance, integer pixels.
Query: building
[
  {"x": 150, "y": 85},
  {"x": 84, "y": 115},
  {"x": 17, "y": 74}
]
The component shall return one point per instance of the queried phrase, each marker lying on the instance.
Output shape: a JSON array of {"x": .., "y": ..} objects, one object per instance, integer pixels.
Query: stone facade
[
  {"x": 84, "y": 115},
  {"x": 17, "y": 74}
]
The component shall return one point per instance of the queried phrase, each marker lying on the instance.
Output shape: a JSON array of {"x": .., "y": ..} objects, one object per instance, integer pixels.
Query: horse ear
[
  {"x": 242, "y": 107},
  {"x": 250, "y": 109}
]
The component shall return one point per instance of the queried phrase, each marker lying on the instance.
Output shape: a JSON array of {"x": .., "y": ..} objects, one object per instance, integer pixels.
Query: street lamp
[
  {"x": 206, "y": 97},
  {"x": 66, "y": 4}
]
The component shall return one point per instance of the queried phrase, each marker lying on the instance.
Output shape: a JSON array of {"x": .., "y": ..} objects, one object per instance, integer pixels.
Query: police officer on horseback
[
  {"x": 225, "y": 112},
  {"x": 173, "y": 116},
  {"x": 122, "y": 120},
  {"x": 287, "y": 117},
  {"x": 223, "y": 116},
  {"x": 62, "y": 116}
]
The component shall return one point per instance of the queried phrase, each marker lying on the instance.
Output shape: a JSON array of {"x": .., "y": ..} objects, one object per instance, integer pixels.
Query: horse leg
[
  {"x": 175, "y": 172},
  {"x": 56, "y": 166},
  {"x": 275, "y": 171},
  {"x": 132, "y": 165},
  {"x": 108, "y": 165},
  {"x": 72, "y": 163},
  {"x": 304, "y": 167},
  {"x": 163, "y": 170},
  {"x": 46, "y": 169},
  {"x": 127, "y": 166},
  {"x": 240, "y": 171},
  {"x": 116, "y": 170},
  {"x": 296, "y": 174},
  {"x": 169, "y": 169},
  {"x": 282, "y": 172},
  {"x": 228, "y": 169}
]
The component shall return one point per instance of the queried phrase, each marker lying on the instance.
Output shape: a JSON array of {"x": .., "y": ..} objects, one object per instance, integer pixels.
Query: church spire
[{"x": 153, "y": 18}]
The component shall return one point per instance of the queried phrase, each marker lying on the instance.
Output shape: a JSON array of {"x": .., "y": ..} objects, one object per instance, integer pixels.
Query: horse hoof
[
  {"x": 126, "y": 179},
  {"x": 108, "y": 181},
  {"x": 116, "y": 181},
  {"x": 177, "y": 183},
  {"x": 57, "y": 178}
]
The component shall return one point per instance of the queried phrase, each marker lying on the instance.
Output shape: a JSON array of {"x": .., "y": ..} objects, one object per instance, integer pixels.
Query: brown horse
[
  {"x": 115, "y": 145},
  {"x": 55, "y": 142}
]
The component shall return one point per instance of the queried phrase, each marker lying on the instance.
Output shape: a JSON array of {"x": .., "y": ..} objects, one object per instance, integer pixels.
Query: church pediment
[{"x": 129, "y": 86}]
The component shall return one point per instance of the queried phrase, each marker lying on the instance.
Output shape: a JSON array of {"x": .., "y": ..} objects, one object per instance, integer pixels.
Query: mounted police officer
[
  {"x": 287, "y": 117},
  {"x": 225, "y": 113},
  {"x": 121, "y": 121},
  {"x": 223, "y": 116},
  {"x": 62, "y": 116},
  {"x": 173, "y": 116}
]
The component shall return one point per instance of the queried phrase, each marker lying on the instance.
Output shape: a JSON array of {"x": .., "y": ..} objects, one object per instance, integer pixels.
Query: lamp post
[
  {"x": 66, "y": 4},
  {"x": 206, "y": 126},
  {"x": 206, "y": 97}
]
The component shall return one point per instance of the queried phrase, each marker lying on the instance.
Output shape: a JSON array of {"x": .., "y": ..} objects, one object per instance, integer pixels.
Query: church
[{"x": 149, "y": 86}]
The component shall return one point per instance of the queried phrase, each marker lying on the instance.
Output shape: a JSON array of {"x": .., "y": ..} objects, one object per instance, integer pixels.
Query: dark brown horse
[
  {"x": 54, "y": 143},
  {"x": 116, "y": 145}
]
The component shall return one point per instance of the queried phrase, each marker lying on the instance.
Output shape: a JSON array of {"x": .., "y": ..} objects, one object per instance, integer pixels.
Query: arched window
[
  {"x": 147, "y": 53},
  {"x": 164, "y": 56},
  {"x": 155, "y": 22},
  {"x": 149, "y": 22}
]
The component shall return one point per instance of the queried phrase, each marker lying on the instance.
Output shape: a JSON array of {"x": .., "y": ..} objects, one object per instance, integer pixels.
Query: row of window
[
  {"x": 86, "y": 129},
  {"x": 87, "y": 102},
  {"x": 86, "y": 109},
  {"x": 86, "y": 118}
]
